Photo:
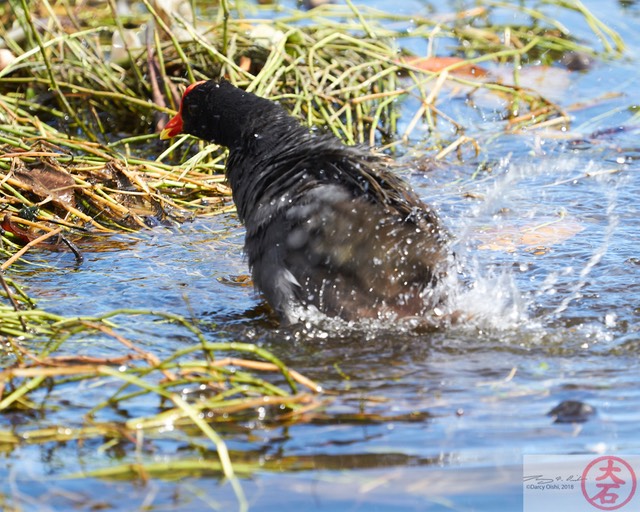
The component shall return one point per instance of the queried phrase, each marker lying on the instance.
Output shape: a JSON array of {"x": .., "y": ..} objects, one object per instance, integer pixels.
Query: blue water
[{"x": 550, "y": 323}]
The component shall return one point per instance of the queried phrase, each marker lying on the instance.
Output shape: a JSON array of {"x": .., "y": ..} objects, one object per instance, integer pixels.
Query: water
[{"x": 552, "y": 320}]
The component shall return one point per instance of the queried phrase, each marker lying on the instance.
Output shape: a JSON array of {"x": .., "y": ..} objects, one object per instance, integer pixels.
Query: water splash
[
  {"x": 491, "y": 301},
  {"x": 504, "y": 288},
  {"x": 598, "y": 254},
  {"x": 513, "y": 293}
]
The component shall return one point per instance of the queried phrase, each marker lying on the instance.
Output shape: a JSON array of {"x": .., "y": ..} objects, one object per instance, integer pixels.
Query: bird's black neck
[{"x": 269, "y": 162}]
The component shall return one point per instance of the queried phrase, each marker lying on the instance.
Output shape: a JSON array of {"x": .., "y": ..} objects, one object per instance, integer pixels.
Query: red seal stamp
[{"x": 608, "y": 483}]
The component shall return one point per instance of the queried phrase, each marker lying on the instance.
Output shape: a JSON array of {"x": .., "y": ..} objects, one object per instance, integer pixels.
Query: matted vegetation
[{"x": 79, "y": 155}]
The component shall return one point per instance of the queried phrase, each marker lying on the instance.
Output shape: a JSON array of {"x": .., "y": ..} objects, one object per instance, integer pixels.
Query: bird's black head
[{"x": 218, "y": 112}]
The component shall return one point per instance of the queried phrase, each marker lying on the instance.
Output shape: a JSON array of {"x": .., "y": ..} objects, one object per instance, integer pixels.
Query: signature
[{"x": 545, "y": 480}]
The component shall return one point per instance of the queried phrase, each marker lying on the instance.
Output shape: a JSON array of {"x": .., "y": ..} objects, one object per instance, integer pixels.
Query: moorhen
[{"x": 329, "y": 227}]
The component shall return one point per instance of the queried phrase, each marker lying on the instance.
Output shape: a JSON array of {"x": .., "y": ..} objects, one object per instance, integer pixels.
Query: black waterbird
[{"x": 329, "y": 228}]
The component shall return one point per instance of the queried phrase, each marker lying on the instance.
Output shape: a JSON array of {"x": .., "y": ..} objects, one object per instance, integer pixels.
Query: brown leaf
[
  {"x": 435, "y": 64},
  {"x": 49, "y": 182},
  {"x": 535, "y": 237},
  {"x": 502, "y": 239},
  {"x": 245, "y": 63},
  {"x": 22, "y": 235},
  {"x": 551, "y": 233},
  {"x": 548, "y": 81}
]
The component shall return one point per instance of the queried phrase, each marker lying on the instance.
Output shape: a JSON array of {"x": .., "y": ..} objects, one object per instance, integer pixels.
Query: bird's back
[{"x": 330, "y": 227}]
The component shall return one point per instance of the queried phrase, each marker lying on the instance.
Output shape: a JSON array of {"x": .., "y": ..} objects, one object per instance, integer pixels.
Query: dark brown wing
[{"x": 350, "y": 257}]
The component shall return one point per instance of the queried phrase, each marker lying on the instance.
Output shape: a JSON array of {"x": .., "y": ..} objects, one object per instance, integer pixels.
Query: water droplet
[{"x": 610, "y": 319}]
